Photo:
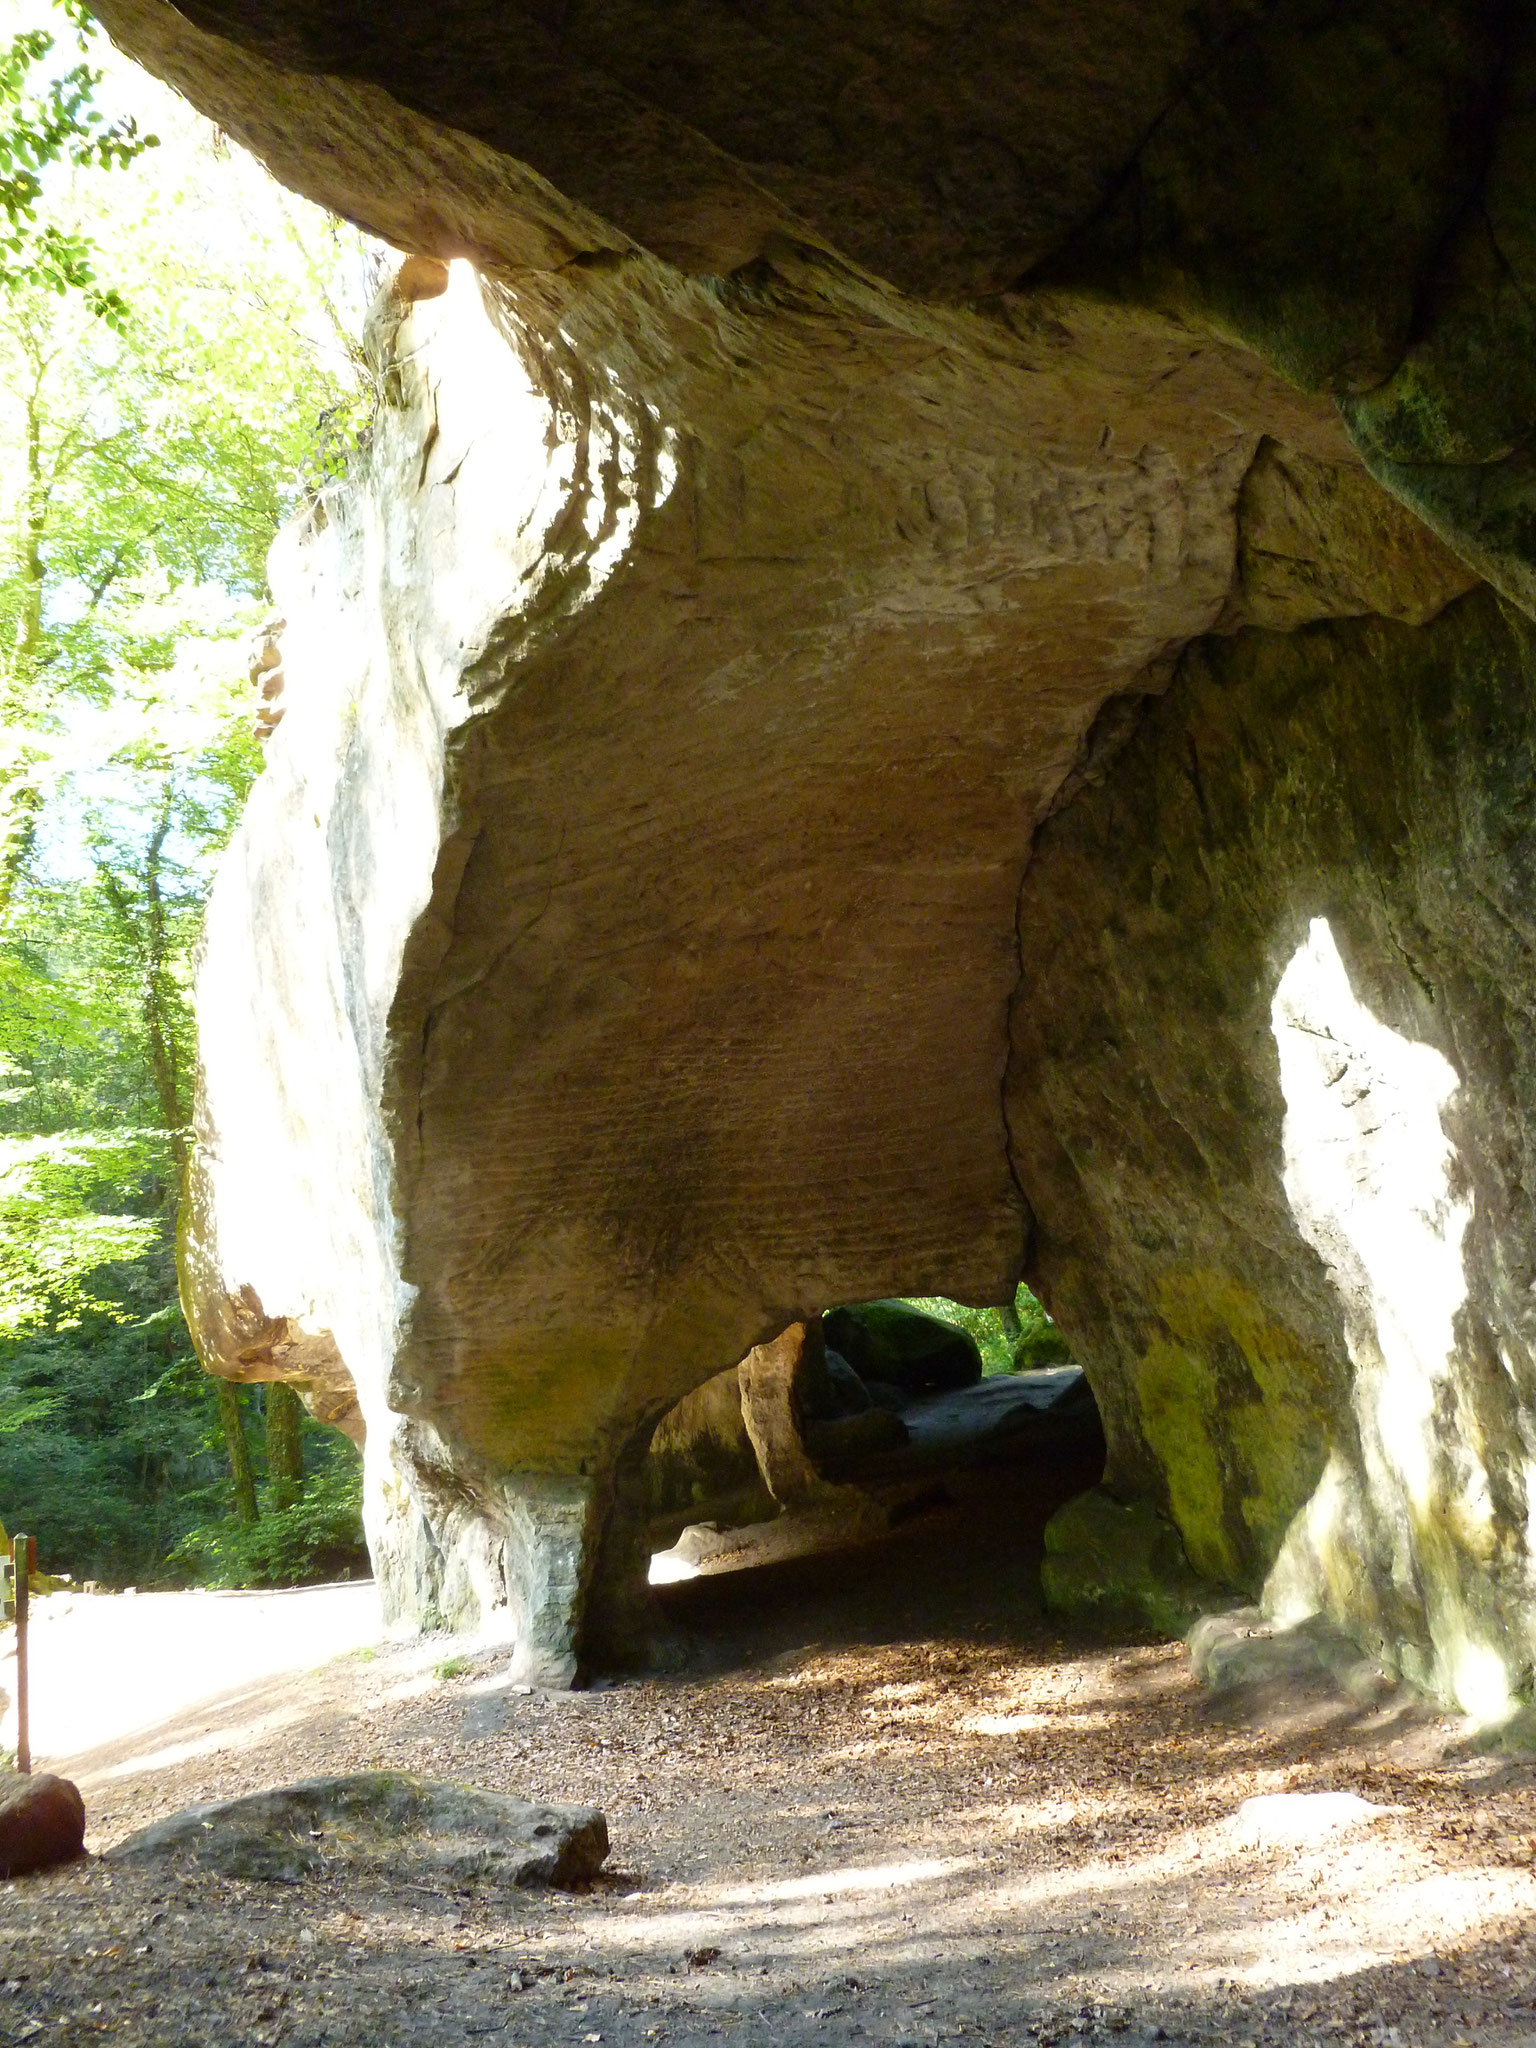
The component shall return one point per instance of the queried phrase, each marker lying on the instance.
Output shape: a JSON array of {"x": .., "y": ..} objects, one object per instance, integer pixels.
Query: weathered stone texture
[
  {"x": 945, "y": 147},
  {"x": 423, "y": 1830},
  {"x": 1273, "y": 1092},
  {"x": 861, "y": 414},
  {"x": 553, "y": 1150},
  {"x": 42, "y": 1822}
]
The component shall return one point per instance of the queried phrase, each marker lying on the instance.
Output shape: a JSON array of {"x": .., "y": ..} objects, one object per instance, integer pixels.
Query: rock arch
[{"x": 880, "y": 606}]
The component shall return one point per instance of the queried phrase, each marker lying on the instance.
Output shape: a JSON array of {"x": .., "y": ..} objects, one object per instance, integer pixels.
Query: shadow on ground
[
  {"x": 964, "y": 1562},
  {"x": 885, "y": 1801}
]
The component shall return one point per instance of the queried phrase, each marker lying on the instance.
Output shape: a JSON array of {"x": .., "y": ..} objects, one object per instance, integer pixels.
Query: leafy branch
[{"x": 47, "y": 120}]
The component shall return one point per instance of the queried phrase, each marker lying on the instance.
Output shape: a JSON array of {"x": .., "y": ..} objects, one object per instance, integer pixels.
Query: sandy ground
[
  {"x": 881, "y": 1799},
  {"x": 102, "y": 1666}
]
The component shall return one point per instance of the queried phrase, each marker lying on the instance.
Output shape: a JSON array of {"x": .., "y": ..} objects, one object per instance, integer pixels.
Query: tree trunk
[
  {"x": 233, "y": 1419},
  {"x": 21, "y": 800},
  {"x": 285, "y": 1445},
  {"x": 148, "y": 938},
  {"x": 164, "y": 1053}
]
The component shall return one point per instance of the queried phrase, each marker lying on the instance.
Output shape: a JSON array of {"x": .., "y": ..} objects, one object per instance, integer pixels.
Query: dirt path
[
  {"x": 102, "y": 1666},
  {"x": 882, "y": 1801}
]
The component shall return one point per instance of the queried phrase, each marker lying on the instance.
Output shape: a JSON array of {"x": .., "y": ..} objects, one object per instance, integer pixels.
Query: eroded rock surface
[
  {"x": 854, "y": 420},
  {"x": 545, "y": 1142},
  {"x": 447, "y": 1834},
  {"x": 1271, "y": 1094}
]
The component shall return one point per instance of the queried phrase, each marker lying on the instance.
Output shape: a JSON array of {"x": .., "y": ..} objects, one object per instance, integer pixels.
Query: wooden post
[{"x": 23, "y": 1552}]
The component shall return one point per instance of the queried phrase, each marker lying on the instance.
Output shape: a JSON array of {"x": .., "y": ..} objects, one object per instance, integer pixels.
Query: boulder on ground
[
  {"x": 840, "y": 1423},
  {"x": 386, "y": 1821},
  {"x": 42, "y": 1822},
  {"x": 701, "y": 1465},
  {"x": 1241, "y": 1650},
  {"x": 898, "y": 1346},
  {"x": 1032, "y": 1419},
  {"x": 846, "y": 1440},
  {"x": 1116, "y": 1564}
]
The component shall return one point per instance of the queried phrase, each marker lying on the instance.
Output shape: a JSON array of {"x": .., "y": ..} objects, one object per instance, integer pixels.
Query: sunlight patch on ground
[
  {"x": 1320, "y": 1917},
  {"x": 1274, "y": 1820},
  {"x": 1028, "y": 1724},
  {"x": 209, "y": 1744},
  {"x": 410, "y": 1689},
  {"x": 667, "y": 1568},
  {"x": 105, "y": 1665},
  {"x": 848, "y": 1909},
  {"x": 882, "y": 1877}
]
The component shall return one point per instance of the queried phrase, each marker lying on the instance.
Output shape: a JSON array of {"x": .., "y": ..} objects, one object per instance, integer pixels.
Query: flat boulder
[
  {"x": 387, "y": 1823},
  {"x": 42, "y": 1822}
]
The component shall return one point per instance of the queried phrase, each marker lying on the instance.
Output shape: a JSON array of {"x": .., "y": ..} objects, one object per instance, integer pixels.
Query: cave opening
[{"x": 905, "y": 1453}]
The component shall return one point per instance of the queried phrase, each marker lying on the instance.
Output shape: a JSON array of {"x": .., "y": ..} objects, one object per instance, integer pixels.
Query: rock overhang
[{"x": 693, "y": 1011}]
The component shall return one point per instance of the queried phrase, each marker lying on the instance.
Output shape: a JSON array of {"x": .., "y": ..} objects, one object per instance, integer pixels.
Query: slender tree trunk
[
  {"x": 285, "y": 1445},
  {"x": 233, "y": 1418},
  {"x": 148, "y": 935},
  {"x": 21, "y": 800},
  {"x": 164, "y": 1053}
]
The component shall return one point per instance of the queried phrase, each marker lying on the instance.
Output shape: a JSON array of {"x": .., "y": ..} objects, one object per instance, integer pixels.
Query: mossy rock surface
[
  {"x": 898, "y": 1346},
  {"x": 1119, "y": 1564},
  {"x": 1272, "y": 1090},
  {"x": 389, "y": 1822}
]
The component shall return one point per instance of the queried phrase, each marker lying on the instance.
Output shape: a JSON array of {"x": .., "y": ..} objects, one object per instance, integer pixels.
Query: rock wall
[
  {"x": 1272, "y": 1093},
  {"x": 769, "y": 560}
]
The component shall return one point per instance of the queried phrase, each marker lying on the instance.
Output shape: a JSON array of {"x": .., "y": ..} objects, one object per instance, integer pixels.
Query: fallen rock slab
[
  {"x": 42, "y": 1822},
  {"x": 386, "y": 1822}
]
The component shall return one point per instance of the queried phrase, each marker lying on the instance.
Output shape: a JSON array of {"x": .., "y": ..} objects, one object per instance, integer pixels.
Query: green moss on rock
[
  {"x": 1119, "y": 1564},
  {"x": 1327, "y": 1407}
]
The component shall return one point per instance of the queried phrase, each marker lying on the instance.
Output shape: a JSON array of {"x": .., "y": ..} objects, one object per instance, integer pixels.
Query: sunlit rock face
[
  {"x": 1272, "y": 1093},
  {"x": 616, "y": 955},
  {"x": 770, "y": 558}
]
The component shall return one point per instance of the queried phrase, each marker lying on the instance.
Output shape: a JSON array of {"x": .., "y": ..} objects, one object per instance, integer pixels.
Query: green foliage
[
  {"x": 119, "y": 1430},
  {"x": 146, "y": 461},
  {"x": 1039, "y": 1342},
  {"x": 1034, "y": 1343},
  {"x": 318, "y": 1536},
  {"x": 48, "y": 116},
  {"x": 56, "y": 1242}
]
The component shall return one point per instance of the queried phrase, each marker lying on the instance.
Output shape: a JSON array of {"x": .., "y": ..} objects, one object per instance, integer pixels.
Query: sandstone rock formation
[
  {"x": 869, "y": 438},
  {"x": 1272, "y": 1100}
]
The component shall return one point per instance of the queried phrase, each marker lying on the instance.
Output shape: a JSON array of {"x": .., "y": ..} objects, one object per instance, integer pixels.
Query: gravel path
[{"x": 880, "y": 1800}]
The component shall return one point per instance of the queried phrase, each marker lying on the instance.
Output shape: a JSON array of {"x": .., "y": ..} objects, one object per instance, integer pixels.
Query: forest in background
[{"x": 177, "y": 375}]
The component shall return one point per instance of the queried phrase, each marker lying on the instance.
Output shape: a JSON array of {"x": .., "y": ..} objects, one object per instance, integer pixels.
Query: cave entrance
[{"x": 907, "y": 1452}]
